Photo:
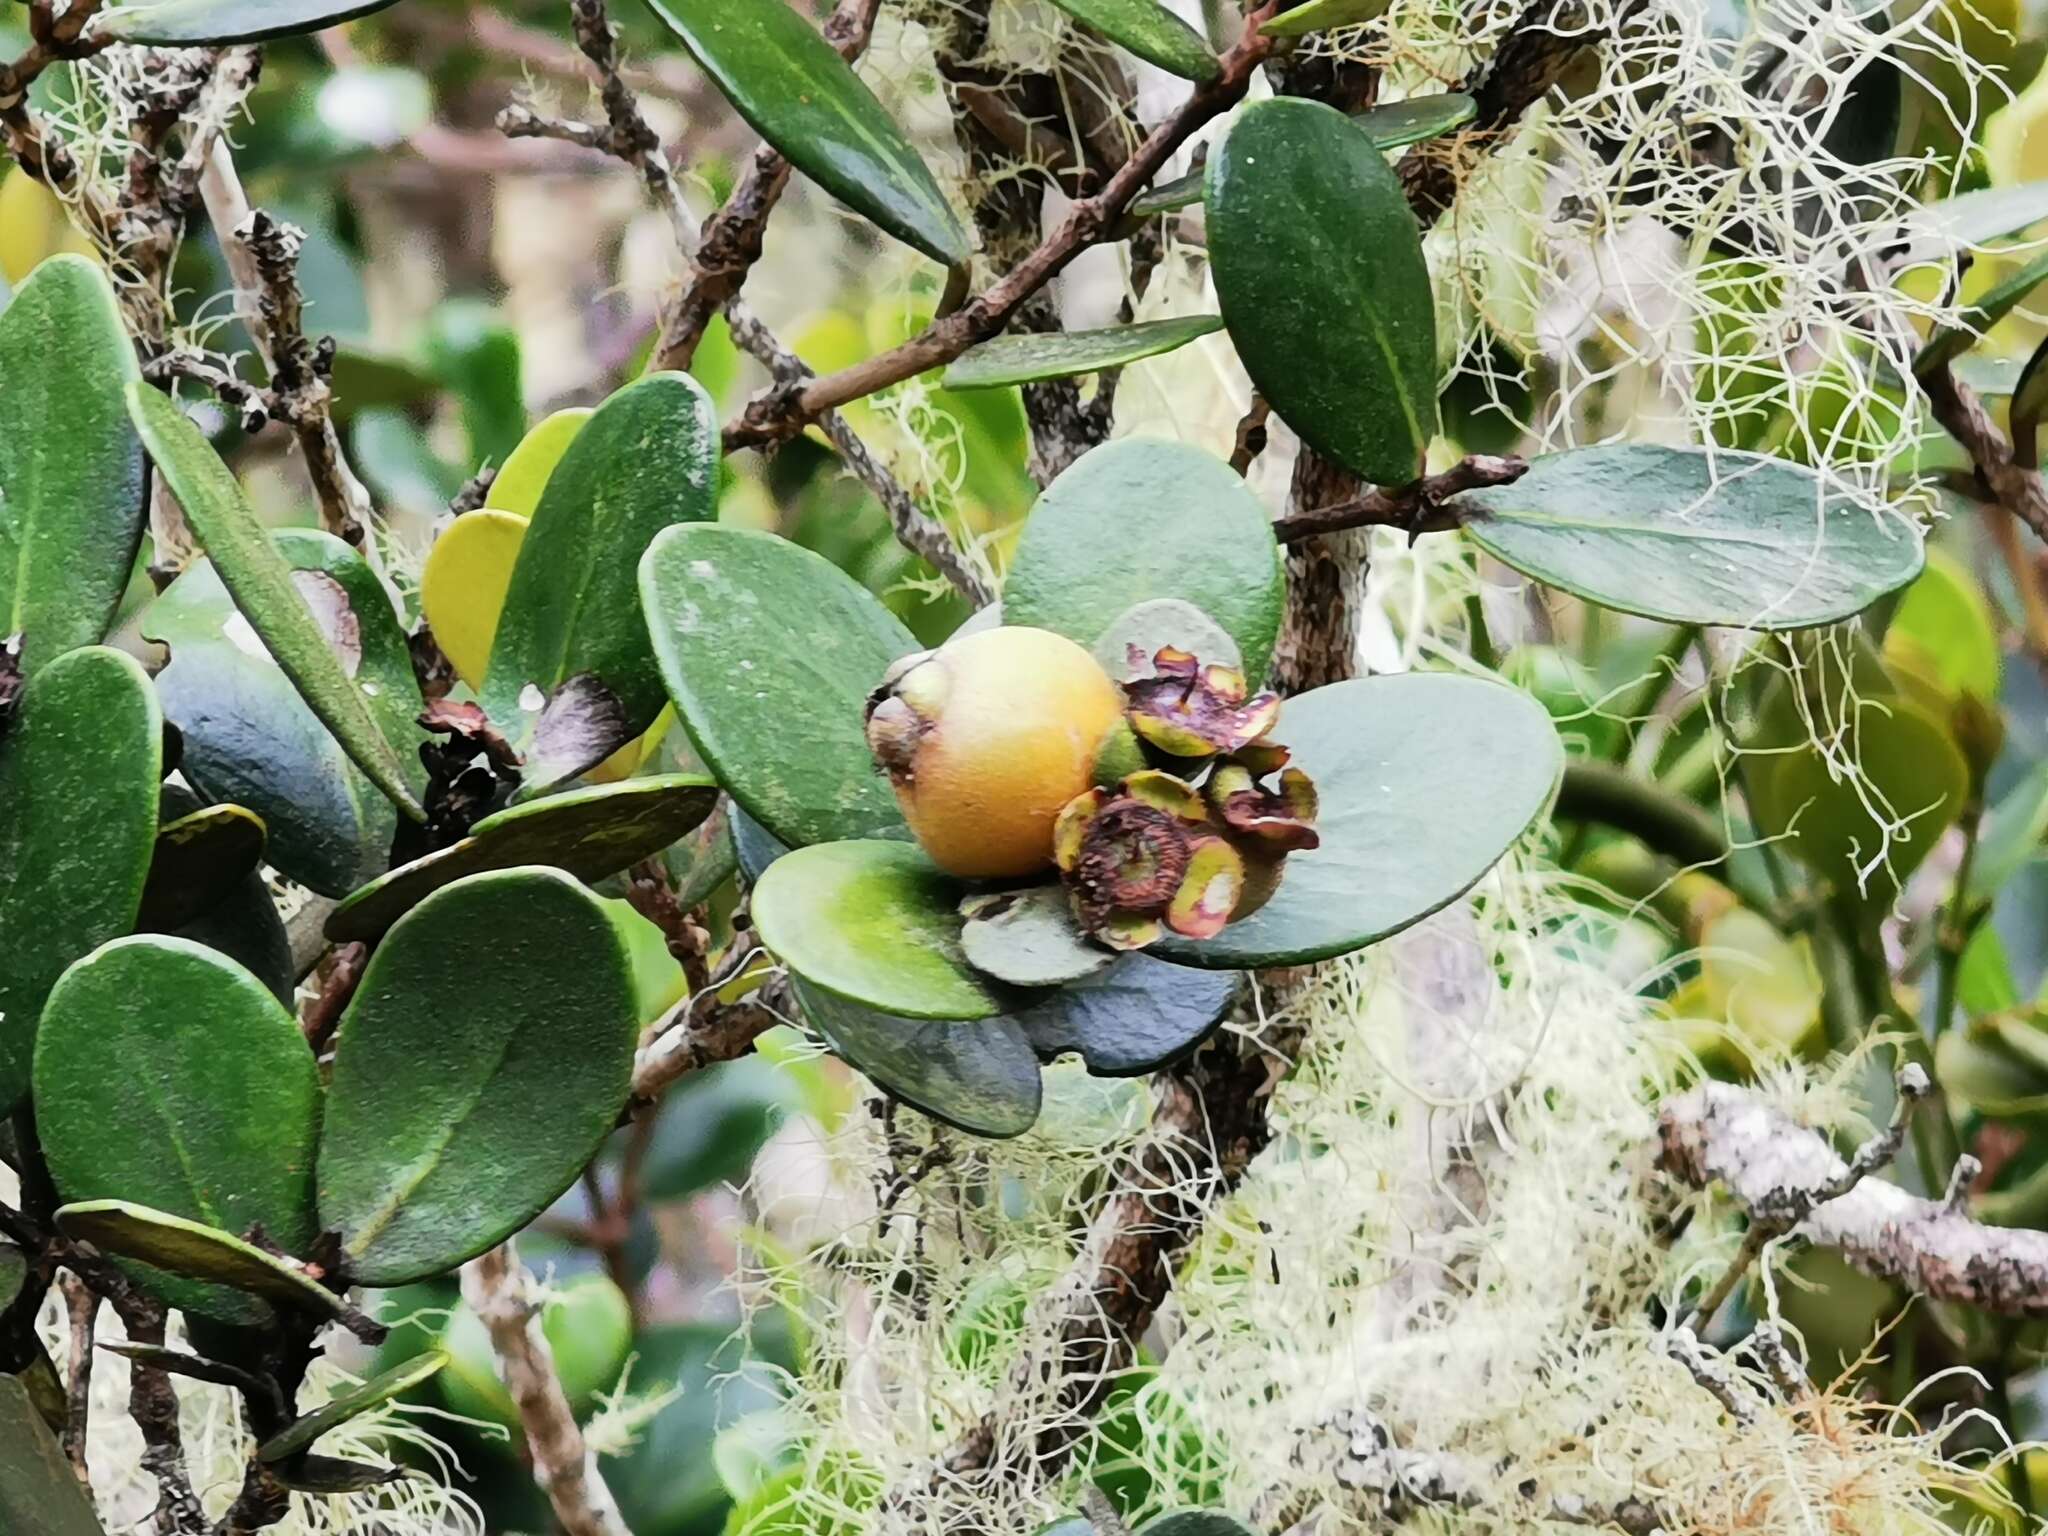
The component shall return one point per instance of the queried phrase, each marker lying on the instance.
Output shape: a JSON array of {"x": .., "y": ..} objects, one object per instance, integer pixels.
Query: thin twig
[
  {"x": 500, "y": 1290},
  {"x": 81, "y": 1308},
  {"x": 1418, "y": 507}
]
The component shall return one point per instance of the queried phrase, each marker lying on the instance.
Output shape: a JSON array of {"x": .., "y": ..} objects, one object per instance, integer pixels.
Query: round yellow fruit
[{"x": 987, "y": 739}]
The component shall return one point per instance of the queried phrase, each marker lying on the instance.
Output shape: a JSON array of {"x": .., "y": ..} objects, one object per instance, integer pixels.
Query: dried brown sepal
[
  {"x": 1209, "y": 890},
  {"x": 1070, "y": 831},
  {"x": 1161, "y": 790},
  {"x": 1188, "y": 710},
  {"x": 1283, "y": 818},
  {"x": 1263, "y": 757}
]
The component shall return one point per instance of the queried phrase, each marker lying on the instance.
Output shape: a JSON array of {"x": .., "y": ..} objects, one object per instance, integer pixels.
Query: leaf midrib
[{"x": 424, "y": 1166}]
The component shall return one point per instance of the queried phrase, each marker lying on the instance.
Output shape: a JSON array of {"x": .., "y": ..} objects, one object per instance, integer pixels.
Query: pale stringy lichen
[{"x": 1455, "y": 1237}]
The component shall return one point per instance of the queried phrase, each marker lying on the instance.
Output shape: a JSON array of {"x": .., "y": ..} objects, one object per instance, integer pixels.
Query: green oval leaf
[
  {"x": 875, "y": 923},
  {"x": 1416, "y": 119},
  {"x": 1160, "y": 622},
  {"x": 484, "y": 1059},
  {"x": 1693, "y": 537},
  {"x": 218, "y": 23},
  {"x": 804, "y": 99},
  {"x": 1131, "y": 1019},
  {"x": 1150, "y": 31},
  {"x": 260, "y": 580},
  {"x": 167, "y": 1075},
  {"x": 1942, "y": 631},
  {"x": 199, "y": 860},
  {"x": 195, "y": 1251},
  {"x": 770, "y": 652},
  {"x": 1425, "y": 780},
  {"x": 301, "y": 1434},
  {"x": 1939, "y": 230},
  {"x": 1032, "y": 355},
  {"x": 1140, "y": 519},
  {"x": 1318, "y": 268},
  {"x": 251, "y": 739},
  {"x": 978, "y": 1077},
  {"x": 329, "y": 1476},
  {"x": 72, "y": 513},
  {"x": 1029, "y": 938},
  {"x": 591, "y": 833},
  {"x": 79, "y": 769},
  {"x": 647, "y": 460},
  {"x": 39, "y": 1493},
  {"x": 1322, "y": 15}
]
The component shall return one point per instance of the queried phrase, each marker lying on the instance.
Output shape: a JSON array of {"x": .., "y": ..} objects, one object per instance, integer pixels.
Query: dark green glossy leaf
[
  {"x": 242, "y": 922},
  {"x": 1689, "y": 536},
  {"x": 770, "y": 652},
  {"x": 1321, "y": 16},
  {"x": 1152, "y": 32},
  {"x": 1140, "y": 519},
  {"x": 216, "y": 23},
  {"x": 71, "y": 519},
  {"x": 39, "y": 1493},
  {"x": 261, "y": 581},
  {"x": 753, "y": 845},
  {"x": 179, "y": 1362},
  {"x": 167, "y": 1075},
  {"x": 980, "y": 1077},
  {"x": 78, "y": 791},
  {"x": 1133, "y": 1018},
  {"x": 1425, "y": 779},
  {"x": 352, "y": 1403},
  {"x": 195, "y": 1251},
  {"x": 1950, "y": 342},
  {"x": 804, "y": 99},
  {"x": 13, "y": 1271},
  {"x": 875, "y": 923},
  {"x": 486, "y": 1055},
  {"x": 1416, "y": 119},
  {"x": 250, "y": 737},
  {"x": 589, "y": 832},
  {"x": 647, "y": 460},
  {"x": 199, "y": 860},
  {"x": 1032, "y": 355},
  {"x": 1318, "y": 268}
]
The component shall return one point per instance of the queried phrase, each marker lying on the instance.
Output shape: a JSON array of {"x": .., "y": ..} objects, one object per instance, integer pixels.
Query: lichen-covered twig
[
  {"x": 263, "y": 254},
  {"x": 81, "y": 1309},
  {"x": 1776, "y": 1169},
  {"x": 500, "y": 1290}
]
